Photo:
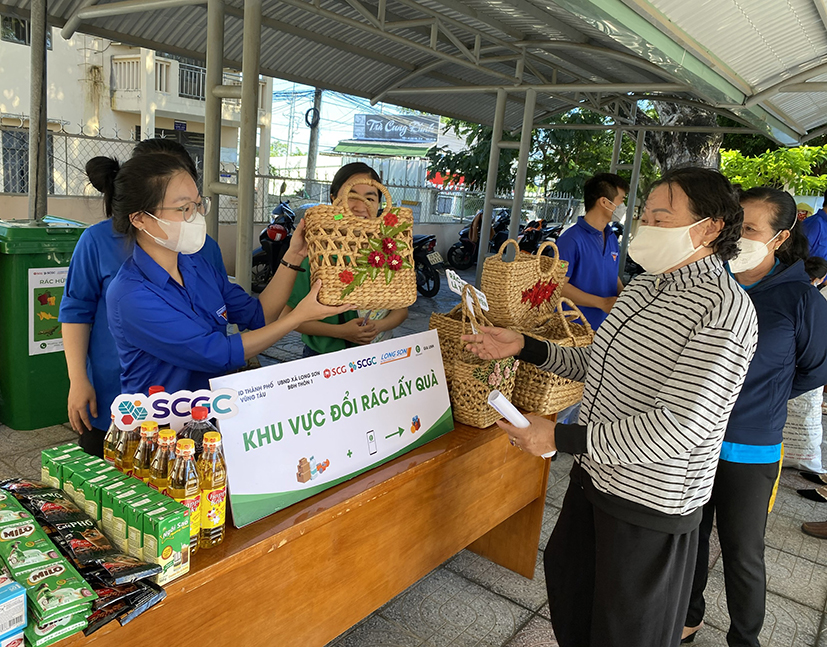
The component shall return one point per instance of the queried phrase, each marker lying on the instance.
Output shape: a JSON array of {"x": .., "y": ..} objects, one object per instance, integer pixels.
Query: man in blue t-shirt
[
  {"x": 591, "y": 249},
  {"x": 815, "y": 228}
]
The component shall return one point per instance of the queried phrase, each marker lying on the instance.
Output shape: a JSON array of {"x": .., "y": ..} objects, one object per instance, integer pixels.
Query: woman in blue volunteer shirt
[
  {"x": 91, "y": 355},
  {"x": 168, "y": 308},
  {"x": 790, "y": 359}
]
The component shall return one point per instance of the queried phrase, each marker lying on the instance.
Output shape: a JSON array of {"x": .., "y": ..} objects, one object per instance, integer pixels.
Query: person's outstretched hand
[
  {"x": 298, "y": 245},
  {"x": 494, "y": 343},
  {"x": 309, "y": 308}
]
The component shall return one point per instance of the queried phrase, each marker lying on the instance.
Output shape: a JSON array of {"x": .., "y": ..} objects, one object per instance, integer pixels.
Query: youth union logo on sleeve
[
  {"x": 222, "y": 313},
  {"x": 614, "y": 256}
]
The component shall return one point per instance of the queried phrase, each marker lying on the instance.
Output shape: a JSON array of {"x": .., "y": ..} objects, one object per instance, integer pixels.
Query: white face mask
[
  {"x": 618, "y": 212},
  {"x": 751, "y": 254},
  {"x": 658, "y": 249},
  {"x": 182, "y": 236}
]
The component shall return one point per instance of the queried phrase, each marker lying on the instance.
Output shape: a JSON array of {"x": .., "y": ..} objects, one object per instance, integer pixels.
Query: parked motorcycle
[
  {"x": 274, "y": 240},
  {"x": 463, "y": 254},
  {"x": 426, "y": 262}
]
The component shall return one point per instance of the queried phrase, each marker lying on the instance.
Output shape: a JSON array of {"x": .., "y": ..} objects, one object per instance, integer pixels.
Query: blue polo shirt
[
  {"x": 593, "y": 263},
  {"x": 176, "y": 335},
  {"x": 815, "y": 228},
  {"x": 97, "y": 257}
]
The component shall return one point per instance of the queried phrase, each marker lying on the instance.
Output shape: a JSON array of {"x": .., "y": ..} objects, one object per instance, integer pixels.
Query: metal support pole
[
  {"x": 212, "y": 110},
  {"x": 313, "y": 146},
  {"x": 616, "y": 151},
  {"x": 247, "y": 147},
  {"x": 491, "y": 182},
  {"x": 265, "y": 131},
  {"x": 38, "y": 164},
  {"x": 522, "y": 165},
  {"x": 631, "y": 201}
]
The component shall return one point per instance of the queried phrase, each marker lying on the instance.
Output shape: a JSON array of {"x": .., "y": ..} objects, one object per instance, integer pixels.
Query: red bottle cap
[
  {"x": 155, "y": 389},
  {"x": 200, "y": 413}
]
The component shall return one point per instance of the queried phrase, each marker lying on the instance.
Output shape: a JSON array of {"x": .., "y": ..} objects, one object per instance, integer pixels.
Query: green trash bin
[{"x": 34, "y": 261}]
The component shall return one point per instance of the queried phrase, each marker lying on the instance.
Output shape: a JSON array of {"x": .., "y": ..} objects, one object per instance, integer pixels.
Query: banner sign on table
[
  {"x": 396, "y": 128},
  {"x": 307, "y": 425},
  {"x": 46, "y": 287}
]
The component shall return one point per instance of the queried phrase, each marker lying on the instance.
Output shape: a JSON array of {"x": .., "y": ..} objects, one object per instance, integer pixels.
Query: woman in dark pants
[
  {"x": 791, "y": 359},
  {"x": 660, "y": 378}
]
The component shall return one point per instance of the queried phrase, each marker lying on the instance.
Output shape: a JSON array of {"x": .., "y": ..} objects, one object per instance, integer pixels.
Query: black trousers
[
  {"x": 614, "y": 584},
  {"x": 740, "y": 498},
  {"x": 91, "y": 441}
]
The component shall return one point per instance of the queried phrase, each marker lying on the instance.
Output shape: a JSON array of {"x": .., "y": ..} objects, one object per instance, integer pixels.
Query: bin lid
[{"x": 51, "y": 234}]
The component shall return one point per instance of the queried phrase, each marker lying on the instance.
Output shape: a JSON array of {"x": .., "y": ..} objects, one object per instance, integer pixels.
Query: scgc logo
[{"x": 362, "y": 363}]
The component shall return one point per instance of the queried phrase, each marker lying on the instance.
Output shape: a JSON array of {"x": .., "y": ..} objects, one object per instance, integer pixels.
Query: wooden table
[{"x": 306, "y": 574}]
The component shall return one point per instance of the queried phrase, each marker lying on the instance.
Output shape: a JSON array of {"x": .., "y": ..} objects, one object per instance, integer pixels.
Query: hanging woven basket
[
  {"x": 366, "y": 262},
  {"x": 523, "y": 292},
  {"x": 542, "y": 392}
]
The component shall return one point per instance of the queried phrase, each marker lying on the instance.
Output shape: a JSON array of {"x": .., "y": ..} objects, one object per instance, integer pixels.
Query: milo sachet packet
[
  {"x": 55, "y": 589},
  {"x": 40, "y": 634},
  {"x": 24, "y": 544}
]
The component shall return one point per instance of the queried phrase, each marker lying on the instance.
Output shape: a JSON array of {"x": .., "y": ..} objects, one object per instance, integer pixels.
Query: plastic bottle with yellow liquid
[
  {"x": 212, "y": 474},
  {"x": 145, "y": 450},
  {"x": 162, "y": 461},
  {"x": 184, "y": 487},
  {"x": 110, "y": 442},
  {"x": 125, "y": 453}
]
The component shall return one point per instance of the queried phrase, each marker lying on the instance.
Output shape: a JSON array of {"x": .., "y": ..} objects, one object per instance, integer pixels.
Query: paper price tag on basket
[{"x": 455, "y": 283}]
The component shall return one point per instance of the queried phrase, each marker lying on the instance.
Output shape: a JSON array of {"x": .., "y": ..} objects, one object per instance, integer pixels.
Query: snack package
[
  {"x": 111, "y": 593},
  {"x": 84, "y": 540},
  {"x": 12, "y": 608},
  {"x": 102, "y": 617},
  {"x": 140, "y": 604},
  {"x": 14, "y": 639},
  {"x": 5, "y": 576},
  {"x": 45, "y": 633},
  {"x": 11, "y": 512},
  {"x": 55, "y": 590},
  {"x": 123, "y": 569},
  {"x": 23, "y": 487},
  {"x": 24, "y": 544},
  {"x": 10, "y": 499},
  {"x": 54, "y": 505},
  {"x": 52, "y": 459},
  {"x": 167, "y": 540}
]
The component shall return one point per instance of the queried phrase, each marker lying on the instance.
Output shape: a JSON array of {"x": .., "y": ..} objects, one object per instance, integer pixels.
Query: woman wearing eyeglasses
[
  {"x": 91, "y": 355},
  {"x": 168, "y": 307}
]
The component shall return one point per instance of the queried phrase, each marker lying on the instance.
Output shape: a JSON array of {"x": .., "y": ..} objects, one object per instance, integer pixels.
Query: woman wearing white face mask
[
  {"x": 168, "y": 308},
  {"x": 660, "y": 378},
  {"x": 790, "y": 359}
]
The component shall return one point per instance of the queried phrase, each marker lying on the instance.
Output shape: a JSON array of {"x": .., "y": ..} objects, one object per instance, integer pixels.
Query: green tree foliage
[
  {"x": 802, "y": 170},
  {"x": 560, "y": 160}
]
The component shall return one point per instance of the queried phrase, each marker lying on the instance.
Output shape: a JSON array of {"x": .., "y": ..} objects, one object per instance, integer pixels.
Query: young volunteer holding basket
[{"x": 660, "y": 378}]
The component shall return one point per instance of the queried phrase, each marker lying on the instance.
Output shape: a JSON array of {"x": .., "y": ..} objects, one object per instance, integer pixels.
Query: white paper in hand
[{"x": 455, "y": 283}]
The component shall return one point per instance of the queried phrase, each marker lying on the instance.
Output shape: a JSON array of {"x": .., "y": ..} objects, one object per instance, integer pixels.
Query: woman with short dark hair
[
  {"x": 790, "y": 359},
  {"x": 660, "y": 378}
]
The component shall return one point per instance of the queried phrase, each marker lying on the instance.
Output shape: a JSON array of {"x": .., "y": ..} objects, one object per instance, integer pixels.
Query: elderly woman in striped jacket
[{"x": 661, "y": 379}]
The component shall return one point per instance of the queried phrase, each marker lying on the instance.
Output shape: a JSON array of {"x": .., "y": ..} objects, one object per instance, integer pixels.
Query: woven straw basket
[
  {"x": 368, "y": 263},
  {"x": 449, "y": 328},
  {"x": 474, "y": 378},
  {"x": 524, "y": 292},
  {"x": 542, "y": 392}
]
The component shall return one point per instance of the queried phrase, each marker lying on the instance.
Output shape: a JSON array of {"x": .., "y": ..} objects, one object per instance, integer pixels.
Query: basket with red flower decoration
[
  {"x": 366, "y": 262},
  {"x": 543, "y": 392},
  {"x": 525, "y": 291}
]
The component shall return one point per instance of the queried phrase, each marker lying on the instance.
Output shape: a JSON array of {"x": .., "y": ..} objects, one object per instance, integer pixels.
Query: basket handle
[
  {"x": 556, "y": 258},
  {"x": 571, "y": 315},
  {"x": 469, "y": 315},
  {"x": 505, "y": 245},
  {"x": 344, "y": 195}
]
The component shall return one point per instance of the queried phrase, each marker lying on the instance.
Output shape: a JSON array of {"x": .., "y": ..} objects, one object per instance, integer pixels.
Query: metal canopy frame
[{"x": 439, "y": 47}]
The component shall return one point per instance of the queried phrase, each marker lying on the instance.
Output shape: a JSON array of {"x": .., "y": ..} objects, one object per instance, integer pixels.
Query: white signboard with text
[{"x": 307, "y": 425}]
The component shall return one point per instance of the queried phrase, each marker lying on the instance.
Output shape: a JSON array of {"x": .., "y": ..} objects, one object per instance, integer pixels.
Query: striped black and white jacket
[{"x": 661, "y": 378}]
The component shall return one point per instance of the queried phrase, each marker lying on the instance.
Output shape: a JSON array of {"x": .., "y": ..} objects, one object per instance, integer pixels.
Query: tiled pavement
[{"x": 470, "y": 601}]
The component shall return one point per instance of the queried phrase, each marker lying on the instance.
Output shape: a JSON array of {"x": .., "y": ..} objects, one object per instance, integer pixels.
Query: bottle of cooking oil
[
  {"x": 110, "y": 442},
  {"x": 184, "y": 487},
  {"x": 212, "y": 474},
  {"x": 162, "y": 461},
  {"x": 157, "y": 388},
  {"x": 145, "y": 450},
  {"x": 124, "y": 454},
  {"x": 196, "y": 428}
]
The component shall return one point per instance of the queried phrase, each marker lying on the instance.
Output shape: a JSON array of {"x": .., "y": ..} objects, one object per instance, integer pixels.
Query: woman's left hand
[
  {"x": 536, "y": 439},
  {"x": 298, "y": 245}
]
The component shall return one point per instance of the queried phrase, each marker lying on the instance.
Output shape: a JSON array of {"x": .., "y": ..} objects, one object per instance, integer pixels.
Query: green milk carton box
[
  {"x": 120, "y": 518},
  {"x": 52, "y": 459},
  {"x": 136, "y": 509},
  {"x": 68, "y": 469},
  {"x": 107, "y": 497},
  {"x": 167, "y": 540},
  {"x": 93, "y": 493}
]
